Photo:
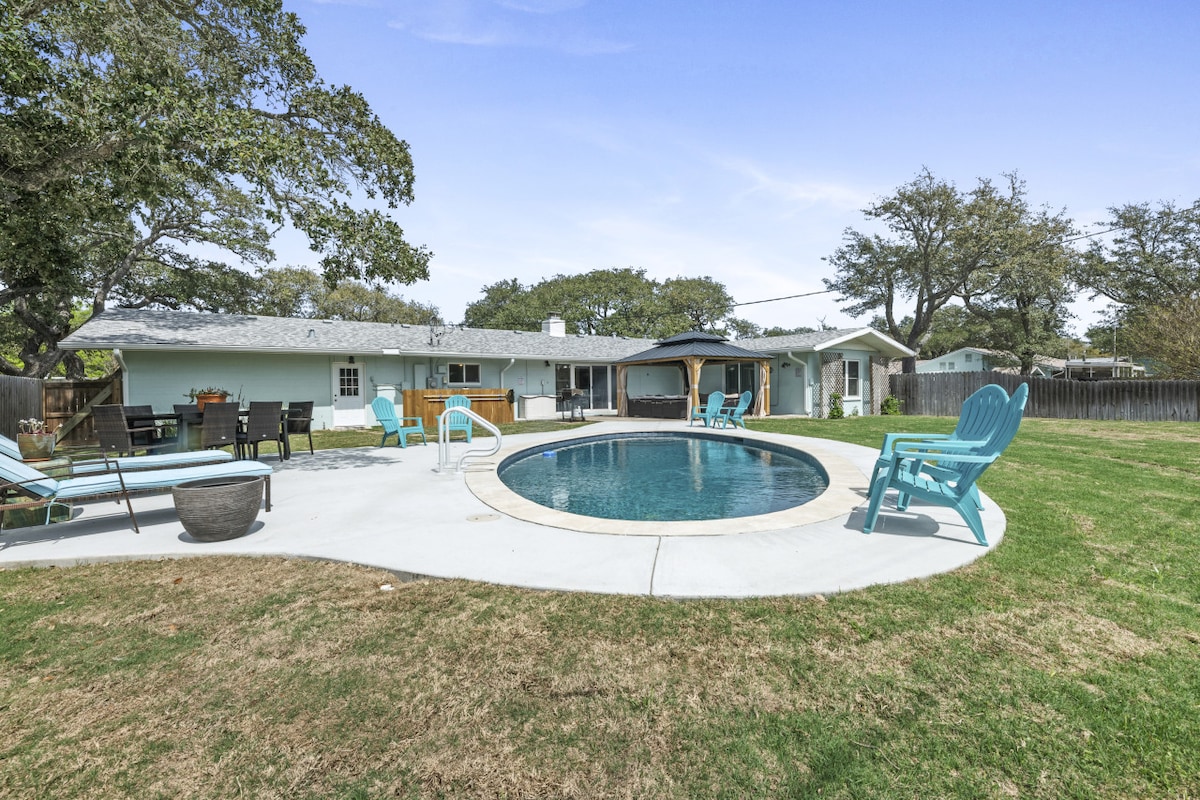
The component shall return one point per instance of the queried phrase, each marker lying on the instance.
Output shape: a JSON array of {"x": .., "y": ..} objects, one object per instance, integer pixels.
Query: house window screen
[
  {"x": 348, "y": 382},
  {"x": 464, "y": 373}
]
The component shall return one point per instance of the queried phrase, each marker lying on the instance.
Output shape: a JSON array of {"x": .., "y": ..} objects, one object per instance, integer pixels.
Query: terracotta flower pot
[{"x": 204, "y": 399}]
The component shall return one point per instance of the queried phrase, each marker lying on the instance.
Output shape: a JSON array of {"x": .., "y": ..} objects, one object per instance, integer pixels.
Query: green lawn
[{"x": 1066, "y": 664}]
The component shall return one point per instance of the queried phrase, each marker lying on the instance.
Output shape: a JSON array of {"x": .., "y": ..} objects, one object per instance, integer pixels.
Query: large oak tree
[
  {"x": 985, "y": 247},
  {"x": 619, "y": 301},
  {"x": 134, "y": 130}
]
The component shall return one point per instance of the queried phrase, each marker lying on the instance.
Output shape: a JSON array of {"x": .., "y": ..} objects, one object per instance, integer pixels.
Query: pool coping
[
  {"x": 391, "y": 508},
  {"x": 483, "y": 480}
]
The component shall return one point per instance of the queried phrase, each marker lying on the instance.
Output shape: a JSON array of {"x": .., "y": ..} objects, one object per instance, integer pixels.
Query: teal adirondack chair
[
  {"x": 459, "y": 422},
  {"x": 980, "y": 414},
  {"x": 943, "y": 472},
  {"x": 710, "y": 411},
  {"x": 400, "y": 427},
  {"x": 734, "y": 414}
]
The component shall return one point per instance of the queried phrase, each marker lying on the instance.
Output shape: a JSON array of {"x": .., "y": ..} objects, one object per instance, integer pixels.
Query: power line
[{"x": 775, "y": 299}]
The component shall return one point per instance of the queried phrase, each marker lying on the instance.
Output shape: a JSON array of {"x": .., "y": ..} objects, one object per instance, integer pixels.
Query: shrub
[
  {"x": 835, "y": 406},
  {"x": 890, "y": 406}
]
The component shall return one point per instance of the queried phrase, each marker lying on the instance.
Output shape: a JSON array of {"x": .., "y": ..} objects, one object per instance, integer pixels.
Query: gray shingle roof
[
  {"x": 152, "y": 329},
  {"x": 710, "y": 347},
  {"x": 819, "y": 340}
]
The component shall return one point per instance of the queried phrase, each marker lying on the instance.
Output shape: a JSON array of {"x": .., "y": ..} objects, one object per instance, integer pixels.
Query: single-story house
[
  {"x": 1097, "y": 369},
  {"x": 342, "y": 366},
  {"x": 978, "y": 359}
]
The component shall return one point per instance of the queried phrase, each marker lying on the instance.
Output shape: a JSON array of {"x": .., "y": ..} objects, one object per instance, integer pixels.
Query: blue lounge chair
[
  {"x": 400, "y": 427},
  {"x": 26, "y": 487},
  {"x": 943, "y": 472},
  {"x": 734, "y": 415},
  {"x": 458, "y": 422},
  {"x": 710, "y": 411},
  {"x": 93, "y": 466}
]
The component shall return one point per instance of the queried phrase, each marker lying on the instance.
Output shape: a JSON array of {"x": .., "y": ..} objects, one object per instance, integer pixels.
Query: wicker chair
[
  {"x": 118, "y": 438},
  {"x": 299, "y": 420},
  {"x": 220, "y": 425},
  {"x": 262, "y": 425}
]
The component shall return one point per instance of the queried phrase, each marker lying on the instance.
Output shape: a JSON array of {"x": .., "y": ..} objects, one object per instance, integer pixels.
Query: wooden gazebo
[{"x": 693, "y": 350}]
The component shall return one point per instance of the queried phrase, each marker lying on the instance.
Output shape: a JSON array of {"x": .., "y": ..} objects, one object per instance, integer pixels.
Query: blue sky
[{"x": 738, "y": 140}]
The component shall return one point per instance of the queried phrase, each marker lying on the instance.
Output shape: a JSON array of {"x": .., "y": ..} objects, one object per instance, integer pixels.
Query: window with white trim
[
  {"x": 853, "y": 379},
  {"x": 463, "y": 373}
]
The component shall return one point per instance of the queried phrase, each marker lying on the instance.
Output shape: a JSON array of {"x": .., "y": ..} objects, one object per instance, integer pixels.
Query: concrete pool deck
[{"x": 389, "y": 508}]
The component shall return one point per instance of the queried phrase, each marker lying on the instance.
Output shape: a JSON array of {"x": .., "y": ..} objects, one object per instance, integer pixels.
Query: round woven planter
[{"x": 215, "y": 509}]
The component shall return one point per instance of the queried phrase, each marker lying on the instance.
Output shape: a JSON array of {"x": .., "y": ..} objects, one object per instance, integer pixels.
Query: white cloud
[
  {"x": 542, "y": 6},
  {"x": 541, "y": 24},
  {"x": 805, "y": 193}
]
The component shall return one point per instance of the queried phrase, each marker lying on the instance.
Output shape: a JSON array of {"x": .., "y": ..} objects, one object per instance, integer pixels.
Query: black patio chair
[
  {"x": 220, "y": 426},
  {"x": 262, "y": 425},
  {"x": 299, "y": 420},
  {"x": 117, "y": 437}
]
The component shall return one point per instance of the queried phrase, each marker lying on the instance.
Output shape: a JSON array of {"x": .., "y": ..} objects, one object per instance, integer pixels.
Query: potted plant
[
  {"x": 212, "y": 394},
  {"x": 34, "y": 440}
]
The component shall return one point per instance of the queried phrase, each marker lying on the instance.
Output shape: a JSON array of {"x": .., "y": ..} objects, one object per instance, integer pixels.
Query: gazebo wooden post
[
  {"x": 764, "y": 397},
  {"x": 694, "y": 365},
  {"x": 622, "y": 394}
]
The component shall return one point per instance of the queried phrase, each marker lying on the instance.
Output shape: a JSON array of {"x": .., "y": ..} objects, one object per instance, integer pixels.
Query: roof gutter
[{"x": 511, "y": 361}]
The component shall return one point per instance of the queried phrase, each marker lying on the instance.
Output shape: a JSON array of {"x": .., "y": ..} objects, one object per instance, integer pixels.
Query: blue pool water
[{"x": 664, "y": 476}]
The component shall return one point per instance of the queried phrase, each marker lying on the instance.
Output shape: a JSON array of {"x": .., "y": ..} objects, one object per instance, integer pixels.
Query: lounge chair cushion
[
  {"x": 109, "y": 483},
  {"x": 156, "y": 461}
]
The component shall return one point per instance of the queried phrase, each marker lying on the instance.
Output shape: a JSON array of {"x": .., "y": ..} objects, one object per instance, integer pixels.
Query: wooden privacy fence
[
  {"x": 942, "y": 394},
  {"x": 20, "y": 398},
  {"x": 66, "y": 406},
  {"x": 494, "y": 405}
]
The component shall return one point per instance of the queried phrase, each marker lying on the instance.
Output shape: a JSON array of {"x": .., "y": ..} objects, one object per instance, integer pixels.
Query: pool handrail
[{"x": 444, "y": 439}]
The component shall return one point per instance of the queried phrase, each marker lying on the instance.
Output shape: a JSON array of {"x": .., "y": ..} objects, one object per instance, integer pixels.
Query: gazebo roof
[{"x": 693, "y": 344}]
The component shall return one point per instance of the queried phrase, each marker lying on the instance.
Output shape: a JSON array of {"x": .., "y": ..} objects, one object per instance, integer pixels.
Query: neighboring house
[
  {"x": 1099, "y": 369},
  {"x": 343, "y": 366},
  {"x": 807, "y": 367},
  {"x": 977, "y": 359}
]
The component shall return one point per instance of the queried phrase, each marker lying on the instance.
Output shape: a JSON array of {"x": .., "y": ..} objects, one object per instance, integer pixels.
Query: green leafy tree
[
  {"x": 944, "y": 244},
  {"x": 693, "y": 304},
  {"x": 1167, "y": 336},
  {"x": 1154, "y": 254},
  {"x": 742, "y": 328},
  {"x": 504, "y": 305},
  {"x": 620, "y": 302},
  {"x": 1024, "y": 300},
  {"x": 778, "y": 331},
  {"x": 353, "y": 300},
  {"x": 132, "y": 132}
]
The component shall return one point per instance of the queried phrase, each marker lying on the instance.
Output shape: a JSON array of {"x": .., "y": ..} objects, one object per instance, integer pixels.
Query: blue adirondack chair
[
  {"x": 710, "y": 411},
  {"x": 400, "y": 427},
  {"x": 734, "y": 415},
  {"x": 943, "y": 472},
  {"x": 980, "y": 414},
  {"x": 458, "y": 422}
]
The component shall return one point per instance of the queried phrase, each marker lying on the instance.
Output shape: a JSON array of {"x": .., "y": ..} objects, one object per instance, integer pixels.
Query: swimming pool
[{"x": 664, "y": 476}]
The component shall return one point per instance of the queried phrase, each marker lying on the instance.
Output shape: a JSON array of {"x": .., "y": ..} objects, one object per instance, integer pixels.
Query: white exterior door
[{"x": 347, "y": 396}]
